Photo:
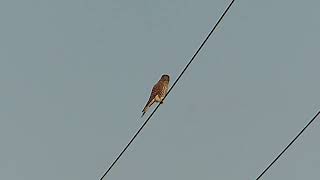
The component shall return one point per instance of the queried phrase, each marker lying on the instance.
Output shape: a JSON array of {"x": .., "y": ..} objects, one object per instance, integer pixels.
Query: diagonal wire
[
  {"x": 284, "y": 150},
  {"x": 195, "y": 54}
]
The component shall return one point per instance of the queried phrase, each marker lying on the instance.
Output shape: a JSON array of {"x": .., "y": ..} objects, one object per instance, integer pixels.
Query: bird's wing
[{"x": 155, "y": 91}]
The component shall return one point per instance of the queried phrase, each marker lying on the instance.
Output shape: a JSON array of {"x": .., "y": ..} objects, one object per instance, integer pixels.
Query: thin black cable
[
  {"x": 288, "y": 146},
  {"x": 136, "y": 134}
]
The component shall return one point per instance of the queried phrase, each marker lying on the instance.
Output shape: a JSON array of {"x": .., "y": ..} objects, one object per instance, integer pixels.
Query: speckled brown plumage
[{"x": 158, "y": 92}]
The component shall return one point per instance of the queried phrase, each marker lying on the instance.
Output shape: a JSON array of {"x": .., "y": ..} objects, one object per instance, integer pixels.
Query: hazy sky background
[{"x": 75, "y": 75}]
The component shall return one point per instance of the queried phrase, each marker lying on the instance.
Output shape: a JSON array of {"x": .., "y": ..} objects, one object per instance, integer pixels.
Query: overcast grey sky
[{"x": 75, "y": 75}]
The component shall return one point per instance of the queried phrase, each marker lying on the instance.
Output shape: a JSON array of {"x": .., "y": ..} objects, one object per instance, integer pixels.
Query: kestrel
[{"x": 158, "y": 92}]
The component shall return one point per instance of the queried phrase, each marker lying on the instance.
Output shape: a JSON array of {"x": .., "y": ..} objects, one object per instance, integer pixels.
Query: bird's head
[{"x": 165, "y": 77}]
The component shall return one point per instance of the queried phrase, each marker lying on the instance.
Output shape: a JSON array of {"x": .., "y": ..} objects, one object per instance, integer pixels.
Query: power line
[
  {"x": 288, "y": 146},
  {"x": 136, "y": 134}
]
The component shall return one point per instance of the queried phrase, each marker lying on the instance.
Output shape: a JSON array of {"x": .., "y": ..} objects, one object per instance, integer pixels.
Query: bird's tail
[
  {"x": 145, "y": 109},
  {"x": 143, "y": 112}
]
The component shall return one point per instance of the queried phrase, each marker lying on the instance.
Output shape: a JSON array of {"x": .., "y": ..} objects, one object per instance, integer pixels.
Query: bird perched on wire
[{"x": 158, "y": 92}]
